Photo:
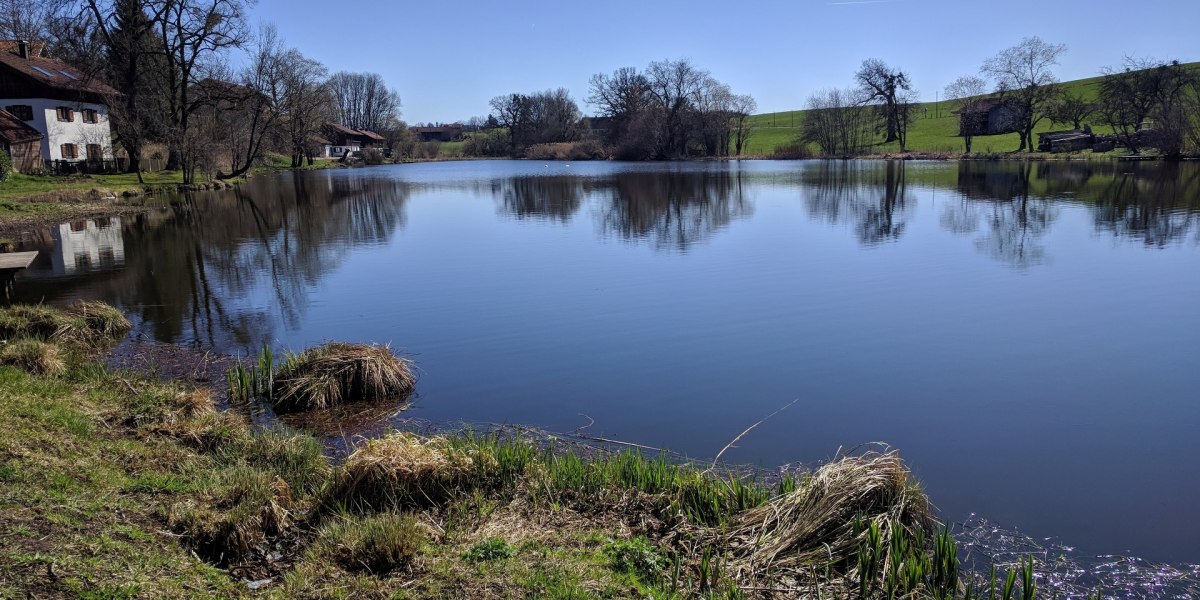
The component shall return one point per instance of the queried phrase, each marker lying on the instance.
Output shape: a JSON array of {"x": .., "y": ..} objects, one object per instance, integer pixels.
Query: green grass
[{"x": 933, "y": 130}]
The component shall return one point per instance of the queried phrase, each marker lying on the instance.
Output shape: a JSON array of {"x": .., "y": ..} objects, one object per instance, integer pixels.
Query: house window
[
  {"x": 23, "y": 112},
  {"x": 94, "y": 152},
  {"x": 89, "y": 116},
  {"x": 65, "y": 114},
  {"x": 69, "y": 151}
]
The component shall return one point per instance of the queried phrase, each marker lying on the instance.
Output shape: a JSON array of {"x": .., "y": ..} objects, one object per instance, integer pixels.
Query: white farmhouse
[{"x": 67, "y": 107}]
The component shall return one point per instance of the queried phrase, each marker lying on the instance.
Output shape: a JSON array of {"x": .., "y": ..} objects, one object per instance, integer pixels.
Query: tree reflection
[
  {"x": 223, "y": 269},
  {"x": 872, "y": 197},
  {"x": 1156, "y": 203},
  {"x": 672, "y": 210},
  {"x": 556, "y": 198},
  {"x": 999, "y": 195},
  {"x": 1158, "y": 207}
]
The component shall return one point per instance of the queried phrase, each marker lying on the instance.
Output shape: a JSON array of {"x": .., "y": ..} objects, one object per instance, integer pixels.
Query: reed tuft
[{"x": 335, "y": 373}]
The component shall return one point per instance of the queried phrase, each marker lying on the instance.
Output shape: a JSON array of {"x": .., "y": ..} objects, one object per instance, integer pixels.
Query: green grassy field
[{"x": 935, "y": 128}]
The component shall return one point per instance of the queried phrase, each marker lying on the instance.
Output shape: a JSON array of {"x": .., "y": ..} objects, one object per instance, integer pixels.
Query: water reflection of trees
[
  {"x": 872, "y": 197},
  {"x": 1158, "y": 208},
  {"x": 1156, "y": 203},
  {"x": 556, "y": 198},
  {"x": 672, "y": 210},
  {"x": 225, "y": 268},
  {"x": 1014, "y": 220}
]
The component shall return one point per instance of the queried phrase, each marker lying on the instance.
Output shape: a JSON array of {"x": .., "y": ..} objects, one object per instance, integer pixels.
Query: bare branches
[
  {"x": 364, "y": 101},
  {"x": 1023, "y": 75}
]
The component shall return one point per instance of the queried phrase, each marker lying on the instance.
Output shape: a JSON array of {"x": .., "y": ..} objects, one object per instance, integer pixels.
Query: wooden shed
[
  {"x": 987, "y": 116},
  {"x": 22, "y": 143}
]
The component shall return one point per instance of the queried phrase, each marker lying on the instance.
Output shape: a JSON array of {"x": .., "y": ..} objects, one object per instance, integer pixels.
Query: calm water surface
[{"x": 1026, "y": 335}]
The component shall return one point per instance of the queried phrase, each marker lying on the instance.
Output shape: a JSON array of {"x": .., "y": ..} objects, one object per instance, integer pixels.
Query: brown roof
[
  {"x": 981, "y": 105},
  {"x": 47, "y": 71},
  {"x": 342, "y": 129},
  {"x": 15, "y": 131},
  {"x": 371, "y": 135}
]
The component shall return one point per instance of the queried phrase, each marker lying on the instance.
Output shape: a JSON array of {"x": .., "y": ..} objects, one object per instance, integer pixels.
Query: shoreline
[
  {"x": 67, "y": 200},
  {"x": 198, "y": 495}
]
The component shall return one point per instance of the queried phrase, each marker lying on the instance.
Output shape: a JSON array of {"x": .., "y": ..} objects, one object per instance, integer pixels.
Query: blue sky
[{"x": 448, "y": 58}]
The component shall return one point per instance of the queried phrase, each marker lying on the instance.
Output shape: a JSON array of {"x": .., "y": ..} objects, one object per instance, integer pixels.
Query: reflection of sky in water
[{"x": 1023, "y": 333}]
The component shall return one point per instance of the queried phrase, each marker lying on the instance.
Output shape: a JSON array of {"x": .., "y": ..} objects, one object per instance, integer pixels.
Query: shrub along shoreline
[{"x": 116, "y": 485}]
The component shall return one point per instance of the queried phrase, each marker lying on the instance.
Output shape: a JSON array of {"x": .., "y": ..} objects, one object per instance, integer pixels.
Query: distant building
[
  {"x": 22, "y": 143},
  {"x": 65, "y": 106},
  {"x": 339, "y": 140},
  {"x": 442, "y": 133},
  {"x": 988, "y": 116}
]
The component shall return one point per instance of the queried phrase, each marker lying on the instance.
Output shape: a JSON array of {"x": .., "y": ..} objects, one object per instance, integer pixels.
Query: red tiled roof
[
  {"x": 15, "y": 131},
  {"x": 47, "y": 71}
]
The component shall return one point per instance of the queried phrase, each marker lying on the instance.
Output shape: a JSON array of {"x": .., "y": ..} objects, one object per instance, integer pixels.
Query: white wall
[
  {"x": 337, "y": 151},
  {"x": 45, "y": 120}
]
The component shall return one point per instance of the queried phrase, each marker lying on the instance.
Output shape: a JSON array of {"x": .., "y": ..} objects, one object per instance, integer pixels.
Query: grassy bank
[
  {"x": 117, "y": 486},
  {"x": 934, "y": 128}
]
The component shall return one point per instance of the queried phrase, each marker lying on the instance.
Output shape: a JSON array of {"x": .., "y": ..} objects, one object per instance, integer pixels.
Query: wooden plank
[{"x": 16, "y": 260}]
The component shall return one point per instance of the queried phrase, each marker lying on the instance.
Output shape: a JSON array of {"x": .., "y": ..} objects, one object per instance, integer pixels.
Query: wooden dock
[{"x": 10, "y": 263}]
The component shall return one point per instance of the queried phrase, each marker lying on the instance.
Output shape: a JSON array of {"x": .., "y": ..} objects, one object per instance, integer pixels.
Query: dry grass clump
[
  {"x": 39, "y": 321},
  {"x": 379, "y": 543},
  {"x": 234, "y": 518},
  {"x": 401, "y": 469},
  {"x": 34, "y": 356},
  {"x": 83, "y": 322},
  {"x": 337, "y": 372},
  {"x": 822, "y": 522},
  {"x": 102, "y": 319}
]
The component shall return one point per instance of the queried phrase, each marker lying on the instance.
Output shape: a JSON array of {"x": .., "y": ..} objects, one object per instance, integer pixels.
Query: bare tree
[
  {"x": 253, "y": 107},
  {"x": 1023, "y": 77},
  {"x": 961, "y": 92},
  {"x": 890, "y": 90},
  {"x": 1069, "y": 108},
  {"x": 538, "y": 118},
  {"x": 670, "y": 110},
  {"x": 305, "y": 104},
  {"x": 837, "y": 123},
  {"x": 1148, "y": 91},
  {"x": 132, "y": 61},
  {"x": 192, "y": 34},
  {"x": 742, "y": 107},
  {"x": 363, "y": 100},
  {"x": 965, "y": 89},
  {"x": 620, "y": 97},
  {"x": 674, "y": 85},
  {"x": 28, "y": 19}
]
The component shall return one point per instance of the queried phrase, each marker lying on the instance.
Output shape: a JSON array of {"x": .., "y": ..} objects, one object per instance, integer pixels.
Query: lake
[{"x": 1026, "y": 334}]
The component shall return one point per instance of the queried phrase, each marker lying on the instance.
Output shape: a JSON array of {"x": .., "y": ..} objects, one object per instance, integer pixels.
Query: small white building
[
  {"x": 339, "y": 140},
  {"x": 67, "y": 107}
]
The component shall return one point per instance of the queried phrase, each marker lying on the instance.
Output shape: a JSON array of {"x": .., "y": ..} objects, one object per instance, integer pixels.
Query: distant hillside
[{"x": 934, "y": 129}]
